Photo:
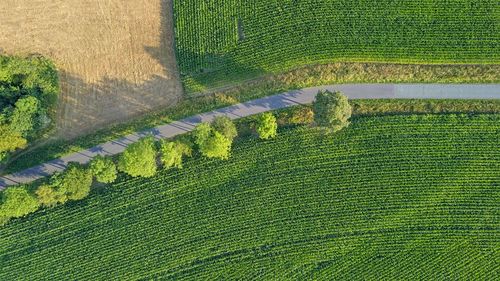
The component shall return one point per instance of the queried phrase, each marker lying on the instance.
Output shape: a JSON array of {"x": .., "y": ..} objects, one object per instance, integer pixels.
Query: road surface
[{"x": 290, "y": 98}]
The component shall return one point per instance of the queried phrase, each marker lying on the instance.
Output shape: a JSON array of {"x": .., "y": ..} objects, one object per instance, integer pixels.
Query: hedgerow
[
  {"x": 393, "y": 197},
  {"x": 221, "y": 42},
  {"x": 138, "y": 160}
]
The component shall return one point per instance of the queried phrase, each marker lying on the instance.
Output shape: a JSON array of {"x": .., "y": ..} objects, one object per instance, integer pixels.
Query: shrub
[
  {"x": 16, "y": 202},
  {"x": 267, "y": 126},
  {"x": 172, "y": 153},
  {"x": 201, "y": 133},
  {"x": 103, "y": 169},
  {"x": 212, "y": 143},
  {"x": 301, "y": 115},
  {"x": 139, "y": 159},
  {"x": 225, "y": 126},
  {"x": 332, "y": 110}
]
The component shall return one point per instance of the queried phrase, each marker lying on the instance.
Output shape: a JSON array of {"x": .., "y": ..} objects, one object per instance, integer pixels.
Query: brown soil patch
[{"x": 115, "y": 57}]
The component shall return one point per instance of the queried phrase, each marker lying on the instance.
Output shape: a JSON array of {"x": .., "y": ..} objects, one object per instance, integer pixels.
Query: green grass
[
  {"x": 393, "y": 197},
  {"x": 220, "y": 42}
]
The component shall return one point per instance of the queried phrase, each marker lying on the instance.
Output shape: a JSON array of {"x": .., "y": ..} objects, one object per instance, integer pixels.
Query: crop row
[
  {"x": 301, "y": 205},
  {"x": 236, "y": 37}
]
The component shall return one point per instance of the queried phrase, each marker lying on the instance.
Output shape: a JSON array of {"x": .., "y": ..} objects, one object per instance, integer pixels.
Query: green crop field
[
  {"x": 389, "y": 198},
  {"x": 219, "y": 42}
]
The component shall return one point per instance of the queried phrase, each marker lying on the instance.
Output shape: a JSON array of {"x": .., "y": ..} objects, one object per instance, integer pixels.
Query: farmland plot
[
  {"x": 114, "y": 57},
  {"x": 388, "y": 198},
  {"x": 219, "y": 42}
]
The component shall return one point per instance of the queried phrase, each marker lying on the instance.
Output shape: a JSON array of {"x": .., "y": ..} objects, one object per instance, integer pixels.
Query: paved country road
[{"x": 303, "y": 96}]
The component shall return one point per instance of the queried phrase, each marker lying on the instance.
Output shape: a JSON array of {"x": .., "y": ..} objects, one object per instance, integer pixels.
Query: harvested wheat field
[{"x": 115, "y": 57}]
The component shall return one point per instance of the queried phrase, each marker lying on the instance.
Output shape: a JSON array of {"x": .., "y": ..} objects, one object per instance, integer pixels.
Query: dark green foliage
[
  {"x": 103, "y": 169},
  {"x": 388, "y": 198},
  {"x": 172, "y": 153},
  {"x": 22, "y": 119},
  {"x": 331, "y": 110},
  {"x": 28, "y": 92},
  {"x": 73, "y": 184},
  {"x": 266, "y": 126},
  {"x": 223, "y": 42},
  {"x": 10, "y": 140},
  {"x": 16, "y": 202},
  {"x": 211, "y": 142},
  {"x": 139, "y": 159},
  {"x": 225, "y": 126}
]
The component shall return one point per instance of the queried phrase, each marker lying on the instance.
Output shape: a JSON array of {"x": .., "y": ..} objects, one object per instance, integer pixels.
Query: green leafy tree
[
  {"x": 212, "y": 143},
  {"x": 139, "y": 159},
  {"x": 10, "y": 140},
  {"x": 76, "y": 182},
  {"x": 172, "y": 153},
  {"x": 103, "y": 169},
  {"x": 28, "y": 90},
  {"x": 201, "y": 133},
  {"x": 332, "y": 110},
  {"x": 225, "y": 126},
  {"x": 267, "y": 126},
  {"x": 217, "y": 146},
  {"x": 73, "y": 184},
  {"x": 23, "y": 117},
  {"x": 16, "y": 202}
]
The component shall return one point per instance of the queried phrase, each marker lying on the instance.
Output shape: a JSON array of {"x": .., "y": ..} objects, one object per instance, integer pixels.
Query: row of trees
[
  {"x": 146, "y": 156},
  {"x": 139, "y": 159}
]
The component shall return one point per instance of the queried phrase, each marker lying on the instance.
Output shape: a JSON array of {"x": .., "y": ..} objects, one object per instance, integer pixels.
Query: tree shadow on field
[
  {"x": 85, "y": 107},
  {"x": 91, "y": 106},
  {"x": 211, "y": 72},
  {"x": 207, "y": 71},
  {"x": 167, "y": 41}
]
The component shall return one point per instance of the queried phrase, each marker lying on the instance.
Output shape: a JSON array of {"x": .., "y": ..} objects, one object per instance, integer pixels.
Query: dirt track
[{"x": 115, "y": 57}]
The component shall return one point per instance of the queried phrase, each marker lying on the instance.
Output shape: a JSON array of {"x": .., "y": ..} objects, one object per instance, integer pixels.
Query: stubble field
[{"x": 114, "y": 57}]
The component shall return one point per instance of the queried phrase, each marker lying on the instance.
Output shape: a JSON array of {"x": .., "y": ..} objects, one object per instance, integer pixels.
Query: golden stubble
[{"x": 115, "y": 57}]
